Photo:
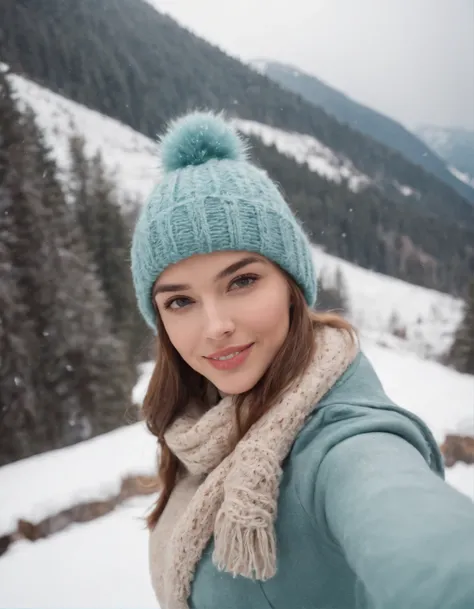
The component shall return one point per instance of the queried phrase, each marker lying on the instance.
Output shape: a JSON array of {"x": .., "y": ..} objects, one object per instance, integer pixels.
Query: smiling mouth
[
  {"x": 229, "y": 355},
  {"x": 231, "y": 360},
  {"x": 224, "y": 358}
]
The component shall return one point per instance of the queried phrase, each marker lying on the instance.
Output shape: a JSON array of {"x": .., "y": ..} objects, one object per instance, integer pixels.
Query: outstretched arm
[{"x": 405, "y": 532}]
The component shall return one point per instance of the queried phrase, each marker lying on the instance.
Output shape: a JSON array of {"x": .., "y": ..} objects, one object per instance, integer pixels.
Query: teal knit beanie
[{"x": 210, "y": 199}]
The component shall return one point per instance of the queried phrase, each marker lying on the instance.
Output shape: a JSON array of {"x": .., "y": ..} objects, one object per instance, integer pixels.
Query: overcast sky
[{"x": 410, "y": 59}]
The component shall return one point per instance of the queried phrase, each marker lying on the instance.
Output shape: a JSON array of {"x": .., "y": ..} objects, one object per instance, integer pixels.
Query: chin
[{"x": 234, "y": 386}]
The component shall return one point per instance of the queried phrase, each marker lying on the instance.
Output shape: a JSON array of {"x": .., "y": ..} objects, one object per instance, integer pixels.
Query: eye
[
  {"x": 177, "y": 302},
  {"x": 243, "y": 281}
]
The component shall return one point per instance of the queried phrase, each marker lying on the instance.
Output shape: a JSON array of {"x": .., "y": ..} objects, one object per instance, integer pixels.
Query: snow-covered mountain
[
  {"x": 60, "y": 118},
  {"x": 455, "y": 146},
  {"x": 307, "y": 149},
  {"x": 387, "y": 131},
  {"x": 382, "y": 307},
  {"x": 464, "y": 177}
]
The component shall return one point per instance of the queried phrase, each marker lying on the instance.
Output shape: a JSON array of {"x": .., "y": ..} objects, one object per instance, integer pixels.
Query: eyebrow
[{"x": 236, "y": 266}]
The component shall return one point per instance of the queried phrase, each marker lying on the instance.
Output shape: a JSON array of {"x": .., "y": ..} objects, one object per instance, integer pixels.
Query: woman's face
[{"x": 227, "y": 315}]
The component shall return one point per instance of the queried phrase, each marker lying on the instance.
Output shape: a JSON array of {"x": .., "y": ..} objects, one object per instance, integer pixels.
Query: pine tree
[
  {"x": 96, "y": 374},
  {"x": 26, "y": 245},
  {"x": 108, "y": 239},
  {"x": 17, "y": 398},
  {"x": 64, "y": 376},
  {"x": 461, "y": 355}
]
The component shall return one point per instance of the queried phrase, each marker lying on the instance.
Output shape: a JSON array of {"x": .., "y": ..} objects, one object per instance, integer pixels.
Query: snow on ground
[
  {"x": 140, "y": 388},
  {"x": 128, "y": 155},
  {"x": 429, "y": 317},
  {"x": 464, "y": 177},
  {"x": 104, "y": 563},
  {"x": 99, "y": 565},
  {"x": 307, "y": 149},
  {"x": 40, "y": 486},
  {"x": 407, "y": 191},
  {"x": 442, "y": 397}
]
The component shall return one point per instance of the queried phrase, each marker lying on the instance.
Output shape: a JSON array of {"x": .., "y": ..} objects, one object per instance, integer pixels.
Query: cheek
[
  {"x": 180, "y": 334},
  {"x": 269, "y": 313}
]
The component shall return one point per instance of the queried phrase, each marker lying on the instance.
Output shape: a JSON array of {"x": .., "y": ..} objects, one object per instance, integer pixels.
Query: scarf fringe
[
  {"x": 238, "y": 500},
  {"x": 244, "y": 531},
  {"x": 246, "y": 551}
]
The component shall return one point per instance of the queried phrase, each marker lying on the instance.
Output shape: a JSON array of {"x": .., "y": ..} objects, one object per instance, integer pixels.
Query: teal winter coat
[{"x": 365, "y": 518}]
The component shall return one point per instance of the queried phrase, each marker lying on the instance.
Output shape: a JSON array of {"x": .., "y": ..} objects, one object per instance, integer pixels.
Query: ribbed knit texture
[{"x": 224, "y": 203}]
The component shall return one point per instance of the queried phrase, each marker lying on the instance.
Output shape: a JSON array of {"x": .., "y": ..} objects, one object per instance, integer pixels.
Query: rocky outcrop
[{"x": 456, "y": 448}]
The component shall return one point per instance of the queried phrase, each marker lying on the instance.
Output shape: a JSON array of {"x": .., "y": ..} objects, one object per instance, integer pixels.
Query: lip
[
  {"x": 233, "y": 362},
  {"x": 229, "y": 350}
]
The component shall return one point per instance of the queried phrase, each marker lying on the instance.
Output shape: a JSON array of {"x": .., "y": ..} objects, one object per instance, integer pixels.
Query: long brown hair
[{"x": 173, "y": 384}]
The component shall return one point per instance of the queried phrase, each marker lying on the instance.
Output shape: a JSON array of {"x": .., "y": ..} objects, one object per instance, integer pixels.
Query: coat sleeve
[{"x": 406, "y": 533}]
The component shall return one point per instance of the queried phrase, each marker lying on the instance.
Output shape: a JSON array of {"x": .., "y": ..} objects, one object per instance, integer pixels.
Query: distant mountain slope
[
  {"x": 455, "y": 146},
  {"x": 127, "y": 60},
  {"x": 358, "y": 199},
  {"x": 428, "y": 318},
  {"x": 121, "y": 146},
  {"x": 368, "y": 121}
]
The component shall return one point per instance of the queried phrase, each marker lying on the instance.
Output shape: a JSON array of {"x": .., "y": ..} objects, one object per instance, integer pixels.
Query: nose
[{"x": 218, "y": 322}]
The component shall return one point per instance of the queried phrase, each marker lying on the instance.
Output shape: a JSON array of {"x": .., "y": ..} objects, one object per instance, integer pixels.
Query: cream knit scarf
[{"x": 237, "y": 502}]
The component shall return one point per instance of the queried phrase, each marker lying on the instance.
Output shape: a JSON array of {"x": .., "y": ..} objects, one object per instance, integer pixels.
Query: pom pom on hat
[
  {"x": 197, "y": 138},
  {"x": 209, "y": 199}
]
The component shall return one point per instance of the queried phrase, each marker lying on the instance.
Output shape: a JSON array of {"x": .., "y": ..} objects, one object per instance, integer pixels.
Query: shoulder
[{"x": 356, "y": 405}]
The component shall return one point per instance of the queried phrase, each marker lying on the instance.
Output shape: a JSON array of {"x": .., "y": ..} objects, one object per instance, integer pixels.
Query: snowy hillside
[
  {"x": 319, "y": 158},
  {"x": 455, "y": 146},
  {"x": 61, "y": 572},
  {"x": 464, "y": 177},
  {"x": 383, "y": 308},
  {"x": 122, "y": 147},
  {"x": 130, "y": 156},
  {"x": 307, "y": 149},
  {"x": 379, "y": 304}
]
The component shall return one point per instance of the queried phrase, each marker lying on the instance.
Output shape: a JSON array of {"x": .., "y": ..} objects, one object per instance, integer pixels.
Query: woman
[{"x": 289, "y": 479}]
